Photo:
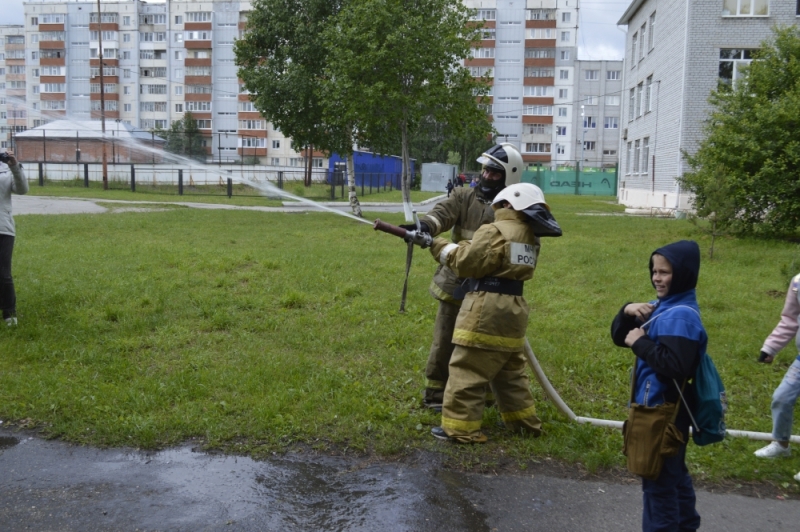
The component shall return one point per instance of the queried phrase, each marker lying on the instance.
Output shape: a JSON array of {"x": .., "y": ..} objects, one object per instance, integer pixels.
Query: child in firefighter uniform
[
  {"x": 462, "y": 213},
  {"x": 489, "y": 334}
]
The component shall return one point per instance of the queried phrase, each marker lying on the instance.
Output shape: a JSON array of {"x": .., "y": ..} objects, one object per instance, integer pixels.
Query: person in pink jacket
[{"x": 787, "y": 392}]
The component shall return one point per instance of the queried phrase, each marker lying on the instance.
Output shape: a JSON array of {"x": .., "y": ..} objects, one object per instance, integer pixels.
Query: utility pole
[
  {"x": 583, "y": 138},
  {"x": 102, "y": 94}
]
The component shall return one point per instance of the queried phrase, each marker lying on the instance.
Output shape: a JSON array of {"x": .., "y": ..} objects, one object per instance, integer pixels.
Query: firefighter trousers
[{"x": 471, "y": 369}]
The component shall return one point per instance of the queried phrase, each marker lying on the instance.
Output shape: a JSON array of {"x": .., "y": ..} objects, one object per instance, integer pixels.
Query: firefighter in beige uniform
[
  {"x": 490, "y": 329},
  {"x": 462, "y": 213}
]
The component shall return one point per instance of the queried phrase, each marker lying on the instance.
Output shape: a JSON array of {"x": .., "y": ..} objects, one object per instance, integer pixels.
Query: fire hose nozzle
[{"x": 419, "y": 238}]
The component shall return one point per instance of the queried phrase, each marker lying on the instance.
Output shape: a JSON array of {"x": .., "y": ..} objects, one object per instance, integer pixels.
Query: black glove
[
  {"x": 423, "y": 227},
  {"x": 765, "y": 358}
]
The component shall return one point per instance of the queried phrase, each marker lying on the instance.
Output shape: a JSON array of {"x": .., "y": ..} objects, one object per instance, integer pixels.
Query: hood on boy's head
[{"x": 684, "y": 257}]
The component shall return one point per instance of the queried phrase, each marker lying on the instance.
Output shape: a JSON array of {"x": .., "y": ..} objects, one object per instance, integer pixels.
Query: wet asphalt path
[{"x": 51, "y": 485}]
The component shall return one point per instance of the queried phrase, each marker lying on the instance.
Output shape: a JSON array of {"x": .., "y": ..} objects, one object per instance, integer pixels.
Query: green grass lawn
[{"x": 261, "y": 332}]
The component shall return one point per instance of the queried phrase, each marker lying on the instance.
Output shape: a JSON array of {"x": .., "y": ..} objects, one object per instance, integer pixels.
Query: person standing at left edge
[
  {"x": 12, "y": 180},
  {"x": 668, "y": 338}
]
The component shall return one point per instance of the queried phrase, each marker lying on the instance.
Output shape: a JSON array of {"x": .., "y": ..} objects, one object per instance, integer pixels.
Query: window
[
  {"x": 560, "y": 149},
  {"x": 563, "y": 74},
  {"x": 487, "y": 34},
  {"x": 632, "y": 104},
  {"x": 198, "y": 71},
  {"x": 198, "y": 106},
  {"x": 651, "y": 41},
  {"x": 540, "y": 33},
  {"x": 477, "y": 72},
  {"x": 203, "y": 35},
  {"x": 730, "y": 63},
  {"x": 562, "y": 111},
  {"x": 563, "y": 93},
  {"x": 628, "y": 154},
  {"x": 107, "y": 35},
  {"x": 533, "y": 72},
  {"x": 126, "y": 89},
  {"x": 158, "y": 36},
  {"x": 126, "y": 37},
  {"x": 177, "y": 37},
  {"x": 648, "y": 95},
  {"x": 482, "y": 53},
  {"x": 613, "y": 75},
  {"x": 565, "y": 55},
  {"x": 198, "y": 89},
  {"x": 49, "y": 36},
  {"x": 56, "y": 19},
  {"x": 636, "y": 151},
  {"x": 54, "y": 105},
  {"x": 153, "y": 107},
  {"x": 537, "y": 147},
  {"x": 645, "y": 154},
  {"x": 246, "y": 107},
  {"x": 611, "y": 122},
  {"x": 148, "y": 18},
  {"x": 590, "y": 100},
  {"x": 591, "y": 75},
  {"x": 178, "y": 89},
  {"x": 126, "y": 55},
  {"x": 537, "y": 90},
  {"x": 540, "y": 14},
  {"x": 178, "y": 19},
  {"x": 565, "y": 36},
  {"x": 252, "y": 142},
  {"x": 639, "y": 92},
  {"x": 275, "y": 161},
  {"x": 745, "y": 8},
  {"x": 538, "y": 129},
  {"x": 34, "y": 21},
  {"x": 565, "y": 16},
  {"x": 108, "y": 88},
  {"x": 634, "y": 40},
  {"x": 126, "y": 107},
  {"x": 179, "y": 55},
  {"x": 126, "y": 73},
  {"x": 105, "y": 18},
  {"x": 589, "y": 145},
  {"x": 178, "y": 107},
  {"x": 538, "y": 110},
  {"x": 178, "y": 72},
  {"x": 198, "y": 16},
  {"x": 109, "y": 105},
  {"x": 52, "y": 87},
  {"x": 34, "y": 38},
  {"x": 539, "y": 53},
  {"x": 204, "y": 124},
  {"x": 589, "y": 122},
  {"x": 609, "y": 152},
  {"x": 561, "y": 131},
  {"x": 153, "y": 72},
  {"x": 126, "y": 21},
  {"x": 152, "y": 89},
  {"x": 643, "y": 35},
  {"x": 276, "y": 144}
]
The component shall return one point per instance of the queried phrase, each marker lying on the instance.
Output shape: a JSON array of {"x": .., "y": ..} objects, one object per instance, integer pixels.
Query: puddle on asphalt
[
  {"x": 7, "y": 441},
  {"x": 318, "y": 493}
]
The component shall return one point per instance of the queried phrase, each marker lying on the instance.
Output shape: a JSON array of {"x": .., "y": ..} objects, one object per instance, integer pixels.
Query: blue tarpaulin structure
[{"x": 376, "y": 170}]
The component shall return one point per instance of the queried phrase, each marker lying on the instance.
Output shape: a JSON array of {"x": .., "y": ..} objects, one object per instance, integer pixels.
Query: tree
[
  {"x": 281, "y": 58},
  {"x": 751, "y": 134},
  {"x": 184, "y": 138},
  {"x": 392, "y": 64}
]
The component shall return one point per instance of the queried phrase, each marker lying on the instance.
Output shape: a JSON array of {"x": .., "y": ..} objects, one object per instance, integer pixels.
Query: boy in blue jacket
[{"x": 668, "y": 338}]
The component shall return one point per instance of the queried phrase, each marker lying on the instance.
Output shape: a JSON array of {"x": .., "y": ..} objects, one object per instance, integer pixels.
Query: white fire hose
[{"x": 567, "y": 411}]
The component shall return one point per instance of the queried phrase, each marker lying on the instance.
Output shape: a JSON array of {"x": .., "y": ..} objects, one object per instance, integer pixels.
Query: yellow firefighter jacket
[
  {"x": 463, "y": 213},
  {"x": 507, "y": 249}
]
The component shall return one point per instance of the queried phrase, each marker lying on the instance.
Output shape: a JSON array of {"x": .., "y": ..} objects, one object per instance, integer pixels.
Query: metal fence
[
  {"x": 573, "y": 181},
  {"x": 210, "y": 180}
]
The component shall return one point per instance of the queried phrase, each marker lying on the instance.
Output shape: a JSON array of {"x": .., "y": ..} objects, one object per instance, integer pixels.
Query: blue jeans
[
  {"x": 669, "y": 501},
  {"x": 783, "y": 401},
  {"x": 8, "y": 298}
]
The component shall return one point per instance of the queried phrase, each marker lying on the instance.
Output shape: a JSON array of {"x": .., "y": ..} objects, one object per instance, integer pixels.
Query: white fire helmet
[
  {"x": 521, "y": 196},
  {"x": 506, "y": 158}
]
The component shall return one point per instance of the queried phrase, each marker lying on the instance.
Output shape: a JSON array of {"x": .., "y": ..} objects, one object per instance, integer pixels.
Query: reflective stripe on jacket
[{"x": 508, "y": 249}]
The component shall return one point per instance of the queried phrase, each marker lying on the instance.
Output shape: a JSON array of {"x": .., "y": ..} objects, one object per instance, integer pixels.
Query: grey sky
[{"x": 598, "y": 38}]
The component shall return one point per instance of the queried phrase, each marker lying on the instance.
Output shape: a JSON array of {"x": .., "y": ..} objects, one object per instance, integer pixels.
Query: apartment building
[
  {"x": 160, "y": 60},
  {"x": 529, "y": 50},
  {"x": 597, "y": 106},
  {"x": 676, "y": 54},
  {"x": 13, "y": 116}
]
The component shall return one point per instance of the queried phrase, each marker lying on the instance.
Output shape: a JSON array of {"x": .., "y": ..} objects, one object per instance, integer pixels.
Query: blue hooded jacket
[{"x": 676, "y": 338}]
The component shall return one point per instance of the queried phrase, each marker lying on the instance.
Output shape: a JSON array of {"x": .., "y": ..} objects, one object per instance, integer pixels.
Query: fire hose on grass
[{"x": 424, "y": 240}]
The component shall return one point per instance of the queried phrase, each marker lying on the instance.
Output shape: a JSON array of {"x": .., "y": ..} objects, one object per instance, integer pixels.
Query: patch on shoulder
[{"x": 522, "y": 254}]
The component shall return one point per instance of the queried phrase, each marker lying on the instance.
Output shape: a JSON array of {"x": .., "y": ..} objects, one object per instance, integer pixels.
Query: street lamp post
[{"x": 583, "y": 144}]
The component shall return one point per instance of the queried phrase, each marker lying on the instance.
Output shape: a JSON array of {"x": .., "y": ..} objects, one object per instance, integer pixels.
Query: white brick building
[{"x": 676, "y": 54}]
